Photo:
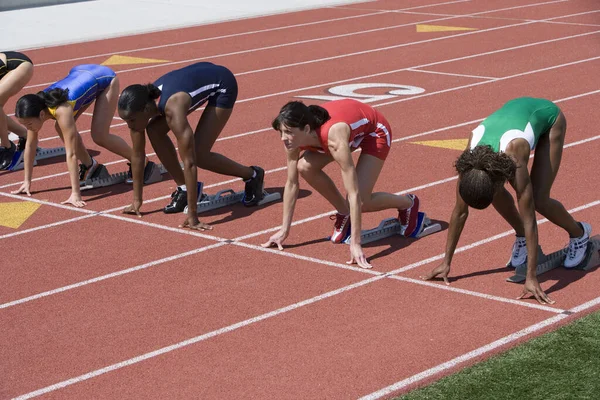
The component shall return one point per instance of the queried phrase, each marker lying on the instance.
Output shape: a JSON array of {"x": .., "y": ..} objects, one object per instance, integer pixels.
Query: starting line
[{"x": 554, "y": 260}]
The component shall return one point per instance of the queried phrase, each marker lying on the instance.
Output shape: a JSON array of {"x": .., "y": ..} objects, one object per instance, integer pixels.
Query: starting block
[
  {"x": 556, "y": 259},
  {"x": 391, "y": 226},
  {"x": 41, "y": 154},
  {"x": 228, "y": 197},
  {"x": 105, "y": 179}
]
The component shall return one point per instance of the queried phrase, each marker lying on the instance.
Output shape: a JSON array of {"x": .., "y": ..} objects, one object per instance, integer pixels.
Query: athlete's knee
[
  {"x": 99, "y": 137},
  {"x": 205, "y": 159},
  {"x": 542, "y": 202}
]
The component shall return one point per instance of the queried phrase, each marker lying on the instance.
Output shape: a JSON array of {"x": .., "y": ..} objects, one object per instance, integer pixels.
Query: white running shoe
[
  {"x": 519, "y": 252},
  {"x": 577, "y": 247}
]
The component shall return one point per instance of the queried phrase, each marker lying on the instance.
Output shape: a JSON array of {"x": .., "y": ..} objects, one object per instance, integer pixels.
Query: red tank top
[{"x": 365, "y": 123}]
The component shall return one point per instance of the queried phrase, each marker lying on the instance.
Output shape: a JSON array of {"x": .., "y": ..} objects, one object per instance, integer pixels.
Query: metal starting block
[
  {"x": 41, "y": 154},
  {"x": 105, "y": 179},
  {"x": 391, "y": 226},
  {"x": 556, "y": 259},
  {"x": 228, "y": 197}
]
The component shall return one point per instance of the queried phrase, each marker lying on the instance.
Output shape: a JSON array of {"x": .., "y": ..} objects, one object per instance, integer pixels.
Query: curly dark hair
[{"x": 482, "y": 171}]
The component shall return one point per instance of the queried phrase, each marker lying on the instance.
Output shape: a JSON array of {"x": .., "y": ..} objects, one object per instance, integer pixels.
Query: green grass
[{"x": 564, "y": 364}]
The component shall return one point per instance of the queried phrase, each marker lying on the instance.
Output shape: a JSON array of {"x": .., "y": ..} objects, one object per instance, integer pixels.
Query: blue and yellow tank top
[{"x": 85, "y": 83}]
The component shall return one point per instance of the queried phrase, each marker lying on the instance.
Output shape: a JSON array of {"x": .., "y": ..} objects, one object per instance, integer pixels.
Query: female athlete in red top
[{"x": 330, "y": 133}]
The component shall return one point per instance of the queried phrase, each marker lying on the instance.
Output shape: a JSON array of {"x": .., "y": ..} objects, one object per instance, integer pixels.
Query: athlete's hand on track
[
  {"x": 75, "y": 200},
  {"x": 134, "y": 208},
  {"x": 23, "y": 189},
  {"x": 276, "y": 239},
  {"x": 533, "y": 286},
  {"x": 358, "y": 257},
  {"x": 443, "y": 269},
  {"x": 193, "y": 223}
]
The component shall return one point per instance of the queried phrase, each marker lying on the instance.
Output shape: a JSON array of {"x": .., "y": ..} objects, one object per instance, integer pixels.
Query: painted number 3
[{"x": 349, "y": 92}]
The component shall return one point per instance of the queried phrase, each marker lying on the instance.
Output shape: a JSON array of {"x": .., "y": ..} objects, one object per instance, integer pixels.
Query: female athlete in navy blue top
[
  {"x": 180, "y": 92},
  {"x": 16, "y": 69}
]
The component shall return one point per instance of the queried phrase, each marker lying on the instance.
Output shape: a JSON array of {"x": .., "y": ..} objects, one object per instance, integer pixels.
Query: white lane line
[
  {"x": 111, "y": 275},
  {"x": 478, "y": 294},
  {"x": 247, "y": 33},
  {"x": 441, "y": 368},
  {"x": 37, "y": 228},
  {"x": 451, "y": 74},
  {"x": 337, "y": 36},
  {"x": 194, "y": 340},
  {"x": 405, "y": 279},
  {"x": 230, "y": 328}
]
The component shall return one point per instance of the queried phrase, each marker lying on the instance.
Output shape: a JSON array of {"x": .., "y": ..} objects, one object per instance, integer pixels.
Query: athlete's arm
[
  {"x": 524, "y": 190},
  {"x": 28, "y": 160},
  {"x": 176, "y": 115},
  {"x": 66, "y": 123},
  {"x": 290, "y": 195},
  {"x": 458, "y": 218},
  {"x": 337, "y": 143},
  {"x": 291, "y": 190},
  {"x": 138, "y": 139}
]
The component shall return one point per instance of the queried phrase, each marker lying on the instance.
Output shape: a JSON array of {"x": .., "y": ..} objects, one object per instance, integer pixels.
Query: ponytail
[
  {"x": 135, "y": 97},
  {"x": 30, "y": 105},
  {"x": 295, "y": 114},
  {"x": 54, "y": 97}
]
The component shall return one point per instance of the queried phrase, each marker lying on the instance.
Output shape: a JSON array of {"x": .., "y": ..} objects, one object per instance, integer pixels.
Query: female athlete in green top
[{"x": 498, "y": 151}]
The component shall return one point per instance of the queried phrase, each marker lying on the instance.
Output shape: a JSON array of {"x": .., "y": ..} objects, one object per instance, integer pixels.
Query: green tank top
[{"x": 524, "y": 117}]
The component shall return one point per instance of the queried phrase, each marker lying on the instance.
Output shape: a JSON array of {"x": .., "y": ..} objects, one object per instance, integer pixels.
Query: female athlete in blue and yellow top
[
  {"x": 498, "y": 151},
  {"x": 180, "y": 92},
  {"x": 65, "y": 101},
  {"x": 16, "y": 69}
]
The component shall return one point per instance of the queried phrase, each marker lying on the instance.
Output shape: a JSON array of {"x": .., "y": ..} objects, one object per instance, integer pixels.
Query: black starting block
[
  {"x": 391, "y": 226},
  {"x": 554, "y": 260},
  {"x": 226, "y": 198},
  {"x": 104, "y": 179}
]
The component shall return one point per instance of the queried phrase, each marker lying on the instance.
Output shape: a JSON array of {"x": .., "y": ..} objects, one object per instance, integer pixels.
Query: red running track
[{"x": 106, "y": 305}]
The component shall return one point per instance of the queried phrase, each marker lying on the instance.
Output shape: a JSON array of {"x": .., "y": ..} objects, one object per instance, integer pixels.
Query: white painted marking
[
  {"x": 349, "y": 91},
  {"x": 491, "y": 81},
  {"x": 196, "y": 339},
  {"x": 374, "y": 75},
  {"x": 478, "y": 294},
  {"x": 37, "y": 228},
  {"x": 309, "y": 259},
  {"x": 387, "y": 391},
  {"x": 247, "y": 33},
  {"x": 230, "y": 328},
  {"x": 111, "y": 275},
  {"x": 451, "y": 74}
]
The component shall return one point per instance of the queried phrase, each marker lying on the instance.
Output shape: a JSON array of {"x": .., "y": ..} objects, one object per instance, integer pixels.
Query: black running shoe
[
  {"x": 254, "y": 191},
  {"x": 179, "y": 199},
  {"x": 7, "y": 154},
  {"x": 178, "y": 202},
  {"x": 85, "y": 172}
]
